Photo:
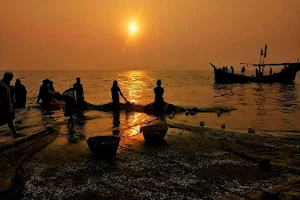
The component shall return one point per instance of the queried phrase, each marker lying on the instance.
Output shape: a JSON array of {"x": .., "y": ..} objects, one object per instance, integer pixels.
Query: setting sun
[{"x": 132, "y": 28}]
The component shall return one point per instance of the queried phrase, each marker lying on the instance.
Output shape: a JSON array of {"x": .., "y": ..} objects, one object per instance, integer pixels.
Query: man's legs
[
  {"x": 12, "y": 128},
  {"x": 71, "y": 125},
  {"x": 10, "y": 118}
]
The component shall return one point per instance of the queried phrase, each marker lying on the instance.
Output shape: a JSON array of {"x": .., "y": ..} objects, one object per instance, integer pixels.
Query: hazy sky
[{"x": 173, "y": 34}]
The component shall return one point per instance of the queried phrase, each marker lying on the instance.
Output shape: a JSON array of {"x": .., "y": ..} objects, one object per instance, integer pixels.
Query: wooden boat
[{"x": 287, "y": 75}]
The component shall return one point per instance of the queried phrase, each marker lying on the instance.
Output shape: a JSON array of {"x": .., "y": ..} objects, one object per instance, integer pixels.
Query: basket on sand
[
  {"x": 104, "y": 147},
  {"x": 154, "y": 133}
]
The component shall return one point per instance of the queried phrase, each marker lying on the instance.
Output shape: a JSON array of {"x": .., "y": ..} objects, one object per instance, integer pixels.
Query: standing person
[
  {"x": 243, "y": 70},
  {"x": 271, "y": 71},
  {"x": 20, "y": 94},
  {"x": 44, "y": 95},
  {"x": 79, "y": 94},
  {"x": 232, "y": 70},
  {"x": 115, "y": 90},
  {"x": 159, "y": 100},
  {"x": 6, "y": 107}
]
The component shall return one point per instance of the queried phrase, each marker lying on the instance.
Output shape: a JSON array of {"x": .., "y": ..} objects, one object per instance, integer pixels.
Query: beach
[{"x": 194, "y": 162}]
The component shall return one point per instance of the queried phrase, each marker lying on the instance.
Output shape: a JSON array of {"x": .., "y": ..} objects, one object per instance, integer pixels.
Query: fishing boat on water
[{"x": 286, "y": 75}]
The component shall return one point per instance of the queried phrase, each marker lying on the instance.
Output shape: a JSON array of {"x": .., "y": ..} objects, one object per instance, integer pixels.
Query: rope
[{"x": 232, "y": 128}]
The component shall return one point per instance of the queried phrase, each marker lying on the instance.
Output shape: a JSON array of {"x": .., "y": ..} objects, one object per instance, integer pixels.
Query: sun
[{"x": 132, "y": 28}]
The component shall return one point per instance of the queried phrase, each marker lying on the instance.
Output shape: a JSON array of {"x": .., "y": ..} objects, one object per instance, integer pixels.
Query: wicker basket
[
  {"x": 104, "y": 147},
  {"x": 154, "y": 133}
]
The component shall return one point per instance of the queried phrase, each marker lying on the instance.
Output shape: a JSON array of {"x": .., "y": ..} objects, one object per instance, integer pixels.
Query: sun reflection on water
[{"x": 134, "y": 84}]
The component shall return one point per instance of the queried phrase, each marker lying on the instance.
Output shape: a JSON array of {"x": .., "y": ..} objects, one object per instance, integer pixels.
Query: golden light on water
[{"x": 135, "y": 84}]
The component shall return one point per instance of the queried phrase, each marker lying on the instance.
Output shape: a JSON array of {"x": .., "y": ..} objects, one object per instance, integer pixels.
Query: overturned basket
[
  {"x": 104, "y": 147},
  {"x": 154, "y": 133}
]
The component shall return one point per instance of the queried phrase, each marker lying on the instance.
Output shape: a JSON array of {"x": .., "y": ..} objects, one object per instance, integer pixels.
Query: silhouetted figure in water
[
  {"x": 232, "y": 70},
  {"x": 115, "y": 91},
  {"x": 20, "y": 94},
  {"x": 44, "y": 95},
  {"x": 79, "y": 94},
  {"x": 51, "y": 87},
  {"x": 243, "y": 70},
  {"x": 116, "y": 118},
  {"x": 70, "y": 108},
  {"x": 159, "y": 100},
  {"x": 271, "y": 71},
  {"x": 7, "y": 113}
]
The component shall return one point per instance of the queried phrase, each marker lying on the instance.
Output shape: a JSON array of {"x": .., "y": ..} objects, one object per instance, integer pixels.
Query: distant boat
[{"x": 287, "y": 75}]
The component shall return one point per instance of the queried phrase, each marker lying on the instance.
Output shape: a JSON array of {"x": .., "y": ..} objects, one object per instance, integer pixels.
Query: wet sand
[{"x": 193, "y": 163}]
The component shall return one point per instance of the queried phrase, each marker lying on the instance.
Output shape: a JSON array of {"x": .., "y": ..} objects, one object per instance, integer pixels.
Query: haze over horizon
[{"x": 171, "y": 34}]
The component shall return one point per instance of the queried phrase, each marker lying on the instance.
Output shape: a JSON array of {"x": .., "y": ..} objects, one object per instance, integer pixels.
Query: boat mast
[
  {"x": 265, "y": 55},
  {"x": 259, "y": 65}
]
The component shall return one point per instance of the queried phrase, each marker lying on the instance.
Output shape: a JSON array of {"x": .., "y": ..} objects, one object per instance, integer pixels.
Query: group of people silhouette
[
  {"x": 12, "y": 98},
  {"x": 225, "y": 69},
  {"x": 257, "y": 71}
]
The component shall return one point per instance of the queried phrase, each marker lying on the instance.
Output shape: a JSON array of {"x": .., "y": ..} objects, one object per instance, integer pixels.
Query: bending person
[
  {"x": 115, "y": 91},
  {"x": 45, "y": 96},
  {"x": 70, "y": 109}
]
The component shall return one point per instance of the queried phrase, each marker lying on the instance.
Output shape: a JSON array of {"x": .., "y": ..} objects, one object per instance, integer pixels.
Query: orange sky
[{"x": 173, "y": 34}]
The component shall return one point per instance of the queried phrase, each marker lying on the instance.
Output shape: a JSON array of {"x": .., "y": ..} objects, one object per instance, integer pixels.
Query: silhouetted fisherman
[
  {"x": 159, "y": 100},
  {"x": 70, "y": 108},
  {"x": 20, "y": 94},
  {"x": 79, "y": 94},
  {"x": 45, "y": 96},
  {"x": 115, "y": 91},
  {"x": 271, "y": 71},
  {"x": 243, "y": 70},
  {"x": 232, "y": 70},
  {"x": 51, "y": 87},
  {"x": 6, "y": 108},
  {"x": 256, "y": 72}
]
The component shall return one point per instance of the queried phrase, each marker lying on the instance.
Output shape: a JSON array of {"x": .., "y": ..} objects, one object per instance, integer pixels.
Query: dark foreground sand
[{"x": 193, "y": 163}]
